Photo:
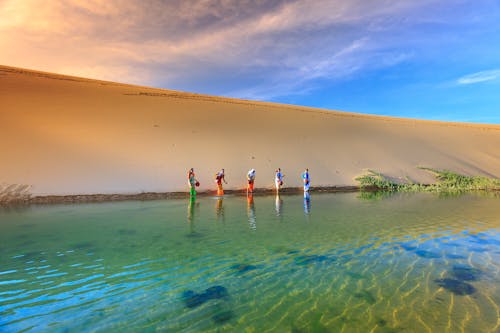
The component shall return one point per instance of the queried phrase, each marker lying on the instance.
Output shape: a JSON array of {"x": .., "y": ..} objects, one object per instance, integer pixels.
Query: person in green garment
[{"x": 193, "y": 182}]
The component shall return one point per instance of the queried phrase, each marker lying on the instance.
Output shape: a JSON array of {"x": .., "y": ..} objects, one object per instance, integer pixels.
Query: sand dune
[{"x": 68, "y": 135}]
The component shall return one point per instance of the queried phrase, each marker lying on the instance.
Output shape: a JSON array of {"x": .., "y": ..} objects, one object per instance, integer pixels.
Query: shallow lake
[{"x": 328, "y": 263}]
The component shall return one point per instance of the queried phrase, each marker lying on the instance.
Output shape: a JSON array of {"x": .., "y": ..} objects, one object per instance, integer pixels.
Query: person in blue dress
[
  {"x": 306, "y": 179},
  {"x": 278, "y": 179}
]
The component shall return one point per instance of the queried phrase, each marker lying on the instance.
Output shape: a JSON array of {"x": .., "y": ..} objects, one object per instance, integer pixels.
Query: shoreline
[
  {"x": 150, "y": 196},
  {"x": 147, "y": 196}
]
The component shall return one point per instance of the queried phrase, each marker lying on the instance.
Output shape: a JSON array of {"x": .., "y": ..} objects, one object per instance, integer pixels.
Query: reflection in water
[
  {"x": 279, "y": 205},
  {"x": 307, "y": 203},
  {"x": 375, "y": 195},
  {"x": 251, "y": 212},
  {"x": 219, "y": 209},
  {"x": 191, "y": 214}
]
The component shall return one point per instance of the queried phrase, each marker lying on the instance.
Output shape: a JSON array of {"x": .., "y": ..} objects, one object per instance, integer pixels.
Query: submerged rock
[
  {"x": 193, "y": 299},
  {"x": 312, "y": 259},
  {"x": 216, "y": 292},
  {"x": 427, "y": 254},
  {"x": 407, "y": 247},
  {"x": 456, "y": 286},
  {"x": 466, "y": 273}
]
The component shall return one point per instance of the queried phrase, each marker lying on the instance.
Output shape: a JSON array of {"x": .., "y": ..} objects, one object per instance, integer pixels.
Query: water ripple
[{"x": 382, "y": 266}]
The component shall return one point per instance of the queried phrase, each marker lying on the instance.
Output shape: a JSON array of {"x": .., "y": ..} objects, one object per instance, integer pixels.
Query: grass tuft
[{"x": 376, "y": 180}]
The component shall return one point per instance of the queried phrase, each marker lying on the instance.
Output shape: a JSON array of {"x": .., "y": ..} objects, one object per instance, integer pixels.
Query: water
[{"x": 330, "y": 263}]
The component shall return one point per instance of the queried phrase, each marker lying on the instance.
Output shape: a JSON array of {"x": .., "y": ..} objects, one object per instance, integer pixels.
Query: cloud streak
[
  {"x": 483, "y": 76},
  {"x": 249, "y": 49}
]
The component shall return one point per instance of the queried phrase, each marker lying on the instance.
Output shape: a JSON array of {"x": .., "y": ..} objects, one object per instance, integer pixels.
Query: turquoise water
[{"x": 328, "y": 263}]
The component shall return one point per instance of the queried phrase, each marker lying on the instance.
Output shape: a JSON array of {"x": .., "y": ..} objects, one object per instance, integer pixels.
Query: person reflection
[
  {"x": 307, "y": 203},
  {"x": 219, "y": 209},
  {"x": 251, "y": 212},
  {"x": 279, "y": 205},
  {"x": 191, "y": 214}
]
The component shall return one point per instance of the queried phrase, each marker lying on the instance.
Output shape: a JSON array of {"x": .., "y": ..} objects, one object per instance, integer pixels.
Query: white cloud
[{"x": 478, "y": 77}]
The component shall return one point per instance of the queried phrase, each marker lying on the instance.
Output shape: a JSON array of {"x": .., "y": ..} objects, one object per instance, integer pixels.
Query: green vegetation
[
  {"x": 377, "y": 181},
  {"x": 447, "y": 181}
]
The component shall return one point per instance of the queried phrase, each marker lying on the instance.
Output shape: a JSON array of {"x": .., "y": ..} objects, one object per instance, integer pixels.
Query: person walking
[
  {"x": 251, "y": 180},
  {"x": 278, "y": 179},
  {"x": 219, "y": 178},
  {"x": 306, "y": 179},
  {"x": 193, "y": 182}
]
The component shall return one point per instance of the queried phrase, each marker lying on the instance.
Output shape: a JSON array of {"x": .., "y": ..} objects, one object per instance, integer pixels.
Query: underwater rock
[
  {"x": 466, "y": 273},
  {"x": 407, "y": 247},
  {"x": 193, "y": 299},
  {"x": 216, "y": 292},
  {"x": 312, "y": 259},
  {"x": 427, "y": 254},
  {"x": 222, "y": 316},
  {"x": 456, "y": 286},
  {"x": 243, "y": 268}
]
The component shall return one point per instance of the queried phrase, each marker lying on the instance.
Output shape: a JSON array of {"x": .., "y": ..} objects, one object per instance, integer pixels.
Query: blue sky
[{"x": 425, "y": 59}]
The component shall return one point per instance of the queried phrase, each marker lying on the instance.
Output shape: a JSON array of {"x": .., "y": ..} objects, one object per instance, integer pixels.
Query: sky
[{"x": 426, "y": 59}]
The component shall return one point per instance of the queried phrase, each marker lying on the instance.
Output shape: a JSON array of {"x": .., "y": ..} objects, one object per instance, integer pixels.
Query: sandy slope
[{"x": 67, "y": 135}]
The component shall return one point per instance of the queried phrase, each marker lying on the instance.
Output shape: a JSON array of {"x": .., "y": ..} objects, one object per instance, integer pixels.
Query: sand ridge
[
  {"x": 159, "y": 92},
  {"x": 65, "y": 135}
]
